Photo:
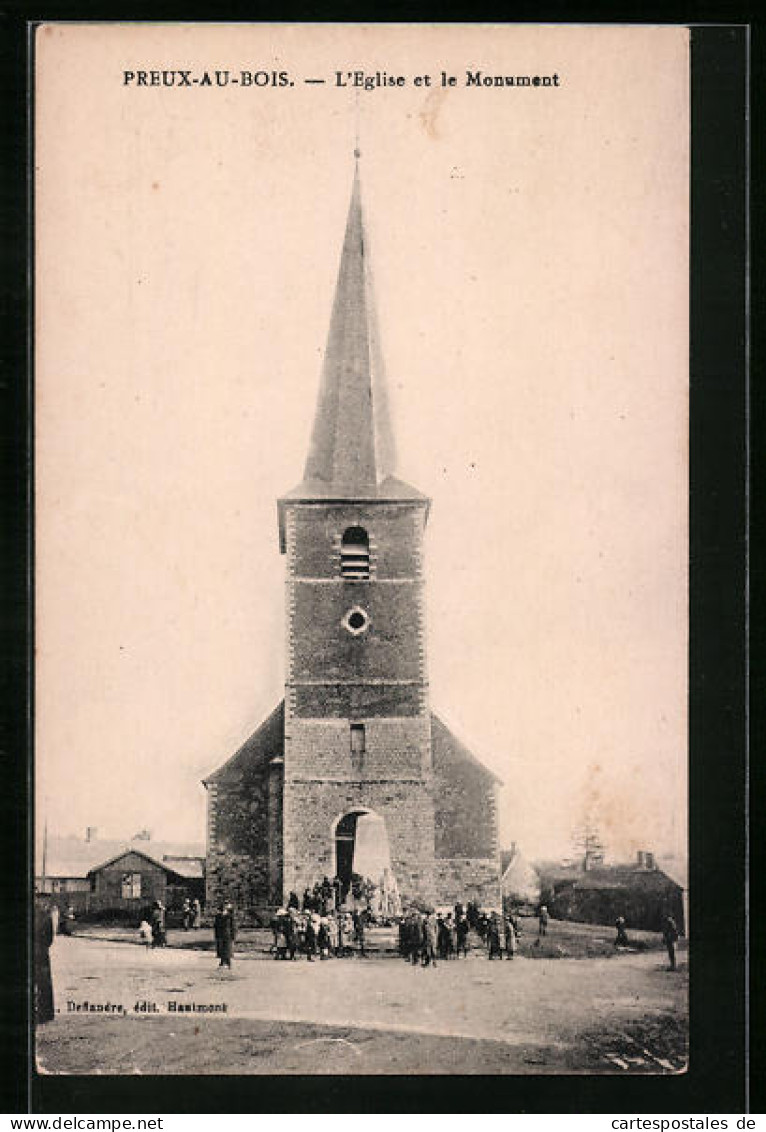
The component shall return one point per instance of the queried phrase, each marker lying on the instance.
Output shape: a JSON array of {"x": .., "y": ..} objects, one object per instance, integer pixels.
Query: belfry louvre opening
[{"x": 355, "y": 554}]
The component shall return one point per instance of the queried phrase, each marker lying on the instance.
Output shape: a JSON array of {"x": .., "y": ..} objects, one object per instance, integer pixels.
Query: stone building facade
[{"x": 354, "y": 739}]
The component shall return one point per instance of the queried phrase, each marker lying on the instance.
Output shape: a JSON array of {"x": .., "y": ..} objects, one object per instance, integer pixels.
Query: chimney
[{"x": 91, "y": 833}]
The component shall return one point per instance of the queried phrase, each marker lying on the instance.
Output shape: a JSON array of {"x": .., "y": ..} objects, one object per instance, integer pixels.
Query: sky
[{"x": 530, "y": 256}]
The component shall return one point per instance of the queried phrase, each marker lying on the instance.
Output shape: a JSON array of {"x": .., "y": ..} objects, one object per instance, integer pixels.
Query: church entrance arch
[{"x": 361, "y": 849}]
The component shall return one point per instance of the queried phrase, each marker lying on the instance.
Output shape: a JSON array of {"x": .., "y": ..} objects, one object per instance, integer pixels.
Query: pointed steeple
[
  {"x": 351, "y": 447},
  {"x": 351, "y": 453}
]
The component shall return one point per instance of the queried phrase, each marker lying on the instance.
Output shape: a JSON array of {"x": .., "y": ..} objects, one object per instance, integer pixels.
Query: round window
[{"x": 355, "y": 621}]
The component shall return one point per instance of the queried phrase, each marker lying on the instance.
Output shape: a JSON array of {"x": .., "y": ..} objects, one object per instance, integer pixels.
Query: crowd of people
[
  {"x": 425, "y": 935},
  {"x": 313, "y": 933}
]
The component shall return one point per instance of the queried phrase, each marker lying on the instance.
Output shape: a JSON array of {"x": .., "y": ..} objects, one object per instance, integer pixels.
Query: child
[{"x": 145, "y": 933}]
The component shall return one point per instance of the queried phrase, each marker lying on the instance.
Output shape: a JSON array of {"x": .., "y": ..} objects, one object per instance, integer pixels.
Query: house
[
  {"x": 643, "y": 893},
  {"x": 352, "y": 772},
  {"x": 520, "y": 879},
  {"x": 69, "y": 868},
  {"x": 132, "y": 880}
]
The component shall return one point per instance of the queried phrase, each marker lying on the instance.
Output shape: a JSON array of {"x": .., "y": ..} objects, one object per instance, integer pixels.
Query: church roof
[
  {"x": 265, "y": 743},
  {"x": 351, "y": 451},
  {"x": 447, "y": 748},
  {"x": 268, "y": 742}
]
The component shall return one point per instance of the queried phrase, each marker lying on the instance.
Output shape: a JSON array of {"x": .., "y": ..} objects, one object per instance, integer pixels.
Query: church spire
[{"x": 351, "y": 448}]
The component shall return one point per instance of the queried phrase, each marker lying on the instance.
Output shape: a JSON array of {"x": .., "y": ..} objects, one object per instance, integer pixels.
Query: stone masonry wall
[
  {"x": 466, "y": 812},
  {"x": 461, "y": 879},
  {"x": 394, "y": 749},
  {"x": 313, "y": 808},
  {"x": 238, "y": 866}
]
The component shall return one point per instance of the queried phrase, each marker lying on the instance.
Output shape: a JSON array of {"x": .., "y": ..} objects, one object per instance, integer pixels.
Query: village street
[{"x": 625, "y": 1013}]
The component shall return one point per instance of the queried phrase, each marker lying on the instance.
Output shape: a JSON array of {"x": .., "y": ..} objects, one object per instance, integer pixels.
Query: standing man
[
  {"x": 44, "y": 934},
  {"x": 359, "y": 925},
  {"x": 542, "y": 918},
  {"x": 670, "y": 935},
  {"x": 430, "y": 938},
  {"x": 462, "y": 936},
  {"x": 225, "y": 930},
  {"x": 511, "y": 936},
  {"x": 157, "y": 922},
  {"x": 622, "y": 935}
]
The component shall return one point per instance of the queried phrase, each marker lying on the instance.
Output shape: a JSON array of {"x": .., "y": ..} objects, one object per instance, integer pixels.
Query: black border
[{"x": 715, "y": 1081}]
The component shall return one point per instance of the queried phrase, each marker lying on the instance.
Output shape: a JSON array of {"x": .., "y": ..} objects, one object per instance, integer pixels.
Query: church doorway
[{"x": 362, "y": 851}]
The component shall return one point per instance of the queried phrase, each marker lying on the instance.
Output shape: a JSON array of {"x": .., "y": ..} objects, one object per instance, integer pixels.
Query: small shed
[{"x": 132, "y": 880}]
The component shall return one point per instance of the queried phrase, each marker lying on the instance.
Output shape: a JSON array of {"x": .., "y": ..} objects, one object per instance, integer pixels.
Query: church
[{"x": 352, "y": 773}]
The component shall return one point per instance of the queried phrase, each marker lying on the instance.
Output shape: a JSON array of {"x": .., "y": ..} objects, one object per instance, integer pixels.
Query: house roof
[
  {"x": 74, "y": 857},
  {"x": 131, "y": 850},
  {"x": 191, "y": 868},
  {"x": 610, "y": 876}
]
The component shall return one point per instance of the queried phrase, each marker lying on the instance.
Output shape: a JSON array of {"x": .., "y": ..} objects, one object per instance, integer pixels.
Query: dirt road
[{"x": 122, "y": 1009}]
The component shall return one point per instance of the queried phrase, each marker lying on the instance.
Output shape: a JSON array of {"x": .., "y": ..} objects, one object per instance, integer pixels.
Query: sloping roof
[
  {"x": 351, "y": 441},
  {"x": 611, "y": 876},
  {"x": 518, "y": 876},
  {"x": 447, "y": 748},
  {"x": 267, "y": 741},
  {"x": 130, "y": 850},
  {"x": 191, "y": 868},
  {"x": 351, "y": 451},
  {"x": 75, "y": 857}
]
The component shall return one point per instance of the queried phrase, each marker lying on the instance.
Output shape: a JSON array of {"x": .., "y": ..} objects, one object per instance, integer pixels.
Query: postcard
[{"x": 361, "y": 445}]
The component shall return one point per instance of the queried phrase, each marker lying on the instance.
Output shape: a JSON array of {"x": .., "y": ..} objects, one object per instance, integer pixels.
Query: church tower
[
  {"x": 352, "y": 772},
  {"x": 357, "y": 722}
]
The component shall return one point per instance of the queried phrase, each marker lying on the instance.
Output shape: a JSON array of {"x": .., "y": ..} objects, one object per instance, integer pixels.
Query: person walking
[
  {"x": 670, "y": 936},
  {"x": 196, "y": 913},
  {"x": 186, "y": 915},
  {"x": 225, "y": 931}
]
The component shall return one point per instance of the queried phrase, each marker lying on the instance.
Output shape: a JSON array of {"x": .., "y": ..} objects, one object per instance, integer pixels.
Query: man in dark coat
[
  {"x": 44, "y": 1010},
  {"x": 622, "y": 935},
  {"x": 157, "y": 921},
  {"x": 670, "y": 935},
  {"x": 225, "y": 930},
  {"x": 462, "y": 936}
]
